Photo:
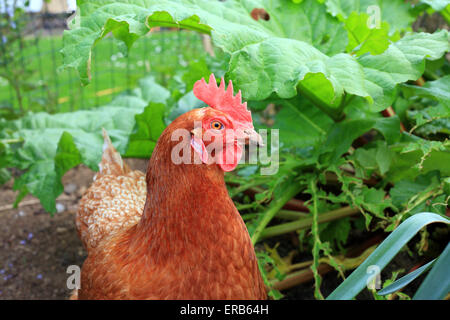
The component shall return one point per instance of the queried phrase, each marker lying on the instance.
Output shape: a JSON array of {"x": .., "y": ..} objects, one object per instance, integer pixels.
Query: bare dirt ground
[{"x": 36, "y": 248}]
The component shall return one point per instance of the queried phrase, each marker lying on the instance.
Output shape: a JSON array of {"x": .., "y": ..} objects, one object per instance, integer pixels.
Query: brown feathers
[
  {"x": 190, "y": 242},
  {"x": 112, "y": 163},
  {"x": 113, "y": 202}
]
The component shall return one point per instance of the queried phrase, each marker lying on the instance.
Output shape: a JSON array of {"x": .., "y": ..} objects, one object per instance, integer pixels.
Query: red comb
[{"x": 223, "y": 100}]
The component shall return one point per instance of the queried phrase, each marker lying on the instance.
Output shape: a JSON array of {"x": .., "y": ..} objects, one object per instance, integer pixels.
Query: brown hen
[{"x": 174, "y": 233}]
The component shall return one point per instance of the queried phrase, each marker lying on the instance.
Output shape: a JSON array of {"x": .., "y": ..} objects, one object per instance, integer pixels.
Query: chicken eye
[{"x": 217, "y": 125}]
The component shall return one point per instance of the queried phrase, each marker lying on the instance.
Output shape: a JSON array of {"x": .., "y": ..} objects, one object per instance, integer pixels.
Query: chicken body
[
  {"x": 114, "y": 201},
  {"x": 187, "y": 242}
]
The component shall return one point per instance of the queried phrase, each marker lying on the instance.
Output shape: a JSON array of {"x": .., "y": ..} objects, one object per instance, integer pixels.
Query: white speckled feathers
[{"x": 115, "y": 200}]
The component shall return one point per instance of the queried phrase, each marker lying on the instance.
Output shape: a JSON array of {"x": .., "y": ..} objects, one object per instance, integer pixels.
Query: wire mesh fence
[{"x": 32, "y": 77}]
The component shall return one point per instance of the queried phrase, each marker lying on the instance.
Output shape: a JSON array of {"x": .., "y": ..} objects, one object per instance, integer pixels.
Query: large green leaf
[
  {"x": 431, "y": 120},
  {"x": 396, "y": 12},
  {"x": 436, "y": 285},
  {"x": 307, "y": 21},
  {"x": 301, "y": 125},
  {"x": 149, "y": 126},
  {"x": 436, "y": 90},
  {"x": 404, "y": 281},
  {"x": 341, "y": 135},
  {"x": 437, "y": 4},
  {"x": 362, "y": 38},
  {"x": 278, "y": 65},
  {"x": 415, "y": 156},
  {"x": 384, "y": 253},
  {"x": 405, "y": 189},
  {"x": 266, "y": 56},
  {"x": 5, "y": 175},
  {"x": 402, "y": 61},
  {"x": 53, "y": 144},
  {"x": 405, "y": 165}
]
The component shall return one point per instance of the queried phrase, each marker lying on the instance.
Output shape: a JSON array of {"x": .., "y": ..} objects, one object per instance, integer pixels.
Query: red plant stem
[
  {"x": 420, "y": 82},
  {"x": 305, "y": 276},
  {"x": 295, "y": 204},
  {"x": 417, "y": 266},
  {"x": 389, "y": 112}
]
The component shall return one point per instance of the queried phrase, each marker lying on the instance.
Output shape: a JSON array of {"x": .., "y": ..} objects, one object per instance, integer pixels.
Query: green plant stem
[
  {"x": 332, "y": 113},
  {"x": 7, "y": 141},
  {"x": 249, "y": 216},
  {"x": 300, "y": 265},
  {"x": 430, "y": 75},
  {"x": 244, "y": 187},
  {"x": 299, "y": 277},
  {"x": 291, "y": 214},
  {"x": 317, "y": 243},
  {"x": 274, "y": 207},
  {"x": 307, "y": 222},
  {"x": 282, "y": 214},
  {"x": 16, "y": 88},
  {"x": 305, "y": 274},
  {"x": 347, "y": 99},
  {"x": 245, "y": 206}
]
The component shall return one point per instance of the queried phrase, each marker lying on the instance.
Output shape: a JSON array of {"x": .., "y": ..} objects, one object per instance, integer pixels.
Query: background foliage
[{"x": 363, "y": 112}]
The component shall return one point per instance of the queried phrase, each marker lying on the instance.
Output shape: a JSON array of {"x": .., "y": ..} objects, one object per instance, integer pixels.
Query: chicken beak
[{"x": 254, "y": 137}]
